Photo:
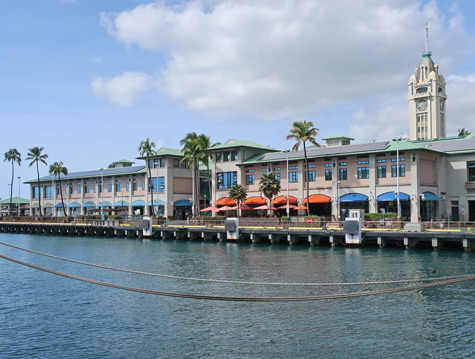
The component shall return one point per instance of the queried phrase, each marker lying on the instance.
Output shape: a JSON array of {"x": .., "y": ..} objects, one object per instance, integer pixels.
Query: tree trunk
[
  {"x": 11, "y": 186},
  {"x": 306, "y": 178},
  {"x": 62, "y": 200},
  {"x": 39, "y": 189},
  {"x": 150, "y": 186}
]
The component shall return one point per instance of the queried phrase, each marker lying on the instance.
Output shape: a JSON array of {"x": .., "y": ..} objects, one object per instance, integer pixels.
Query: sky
[{"x": 88, "y": 80}]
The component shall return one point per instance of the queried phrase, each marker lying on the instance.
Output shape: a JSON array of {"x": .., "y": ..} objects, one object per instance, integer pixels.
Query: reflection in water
[{"x": 46, "y": 316}]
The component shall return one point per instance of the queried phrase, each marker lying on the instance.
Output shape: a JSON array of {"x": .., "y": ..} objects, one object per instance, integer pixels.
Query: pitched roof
[
  {"x": 168, "y": 151},
  {"x": 95, "y": 173},
  {"x": 240, "y": 143},
  {"x": 15, "y": 200}
]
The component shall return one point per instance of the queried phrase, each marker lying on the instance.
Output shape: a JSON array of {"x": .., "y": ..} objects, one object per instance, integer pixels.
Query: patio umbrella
[
  {"x": 265, "y": 206},
  {"x": 210, "y": 208},
  {"x": 301, "y": 207},
  {"x": 245, "y": 207},
  {"x": 226, "y": 208},
  {"x": 291, "y": 206}
]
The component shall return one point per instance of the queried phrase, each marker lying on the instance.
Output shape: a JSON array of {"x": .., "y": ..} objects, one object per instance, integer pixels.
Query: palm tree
[
  {"x": 35, "y": 155},
  {"x": 57, "y": 169},
  {"x": 463, "y": 132},
  {"x": 146, "y": 149},
  {"x": 193, "y": 153},
  {"x": 269, "y": 186},
  {"x": 238, "y": 193},
  {"x": 12, "y": 156},
  {"x": 302, "y": 132},
  {"x": 205, "y": 158}
]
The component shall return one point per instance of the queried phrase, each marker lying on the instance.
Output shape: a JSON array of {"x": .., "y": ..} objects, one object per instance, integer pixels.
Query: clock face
[
  {"x": 442, "y": 105},
  {"x": 421, "y": 105}
]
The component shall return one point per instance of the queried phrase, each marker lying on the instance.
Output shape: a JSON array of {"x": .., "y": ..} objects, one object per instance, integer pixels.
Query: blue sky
[{"x": 88, "y": 80}]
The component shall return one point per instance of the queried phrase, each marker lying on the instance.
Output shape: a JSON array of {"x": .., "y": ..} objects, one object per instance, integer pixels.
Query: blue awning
[
  {"x": 88, "y": 205},
  {"x": 138, "y": 204},
  {"x": 160, "y": 203},
  {"x": 429, "y": 196},
  {"x": 391, "y": 196},
  {"x": 106, "y": 204},
  {"x": 182, "y": 203},
  {"x": 73, "y": 205},
  {"x": 353, "y": 197},
  {"x": 120, "y": 204},
  {"x": 59, "y": 205}
]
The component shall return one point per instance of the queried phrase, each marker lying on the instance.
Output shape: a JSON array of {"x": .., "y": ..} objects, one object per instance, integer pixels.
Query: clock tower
[{"x": 427, "y": 120}]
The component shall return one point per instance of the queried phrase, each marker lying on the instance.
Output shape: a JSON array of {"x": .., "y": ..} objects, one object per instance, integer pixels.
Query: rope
[
  {"x": 230, "y": 281},
  {"x": 244, "y": 299}
]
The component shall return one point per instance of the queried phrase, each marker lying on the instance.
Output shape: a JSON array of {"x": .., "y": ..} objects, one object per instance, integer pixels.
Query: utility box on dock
[
  {"x": 231, "y": 225},
  {"x": 146, "y": 226},
  {"x": 352, "y": 228}
]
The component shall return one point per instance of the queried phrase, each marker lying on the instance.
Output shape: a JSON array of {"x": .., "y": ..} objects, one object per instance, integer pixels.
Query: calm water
[{"x": 46, "y": 316}]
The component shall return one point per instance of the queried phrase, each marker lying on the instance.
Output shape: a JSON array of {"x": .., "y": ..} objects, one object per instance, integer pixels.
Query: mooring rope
[
  {"x": 231, "y": 281},
  {"x": 244, "y": 299}
]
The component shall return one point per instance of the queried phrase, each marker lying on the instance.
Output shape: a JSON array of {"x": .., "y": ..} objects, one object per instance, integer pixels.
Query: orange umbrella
[
  {"x": 301, "y": 207},
  {"x": 291, "y": 206},
  {"x": 210, "y": 208},
  {"x": 266, "y": 207}
]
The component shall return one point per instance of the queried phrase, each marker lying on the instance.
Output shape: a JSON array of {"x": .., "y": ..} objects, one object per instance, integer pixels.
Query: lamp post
[
  {"x": 397, "y": 178},
  {"x": 19, "y": 195},
  {"x": 338, "y": 200},
  {"x": 102, "y": 193},
  {"x": 287, "y": 158}
]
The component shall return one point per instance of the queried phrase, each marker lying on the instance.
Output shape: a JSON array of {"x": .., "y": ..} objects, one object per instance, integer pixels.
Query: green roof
[
  {"x": 337, "y": 137},
  {"x": 240, "y": 143},
  {"x": 122, "y": 161},
  {"x": 168, "y": 152},
  {"x": 15, "y": 200}
]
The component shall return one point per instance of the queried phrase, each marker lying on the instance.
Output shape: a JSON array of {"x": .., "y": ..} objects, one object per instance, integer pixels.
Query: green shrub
[
  {"x": 380, "y": 215},
  {"x": 114, "y": 216}
]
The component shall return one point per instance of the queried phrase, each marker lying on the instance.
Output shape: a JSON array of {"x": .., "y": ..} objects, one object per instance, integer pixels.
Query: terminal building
[{"x": 433, "y": 175}]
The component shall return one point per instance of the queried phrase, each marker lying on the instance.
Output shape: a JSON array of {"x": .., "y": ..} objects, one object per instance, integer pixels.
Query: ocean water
[{"x": 46, "y": 316}]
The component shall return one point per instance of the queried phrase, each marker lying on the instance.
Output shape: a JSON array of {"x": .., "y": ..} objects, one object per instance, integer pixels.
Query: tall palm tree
[
  {"x": 57, "y": 169},
  {"x": 302, "y": 132},
  {"x": 463, "y": 132},
  {"x": 206, "y": 144},
  {"x": 193, "y": 153},
  {"x": 146, "y": 149},
  {"x": 238, "y": 193},
  {"x": 36, "y": 155},
  {"x": 12, "y": 156},
  {"x": 269, "y": 186}
]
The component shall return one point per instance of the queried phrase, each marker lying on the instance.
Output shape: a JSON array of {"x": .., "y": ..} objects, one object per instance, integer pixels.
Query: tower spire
[{"x": 427, "y": 51}]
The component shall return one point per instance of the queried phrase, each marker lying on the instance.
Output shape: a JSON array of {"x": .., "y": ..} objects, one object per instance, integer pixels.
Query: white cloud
[
  {"x": 122, "y": 90},
  {"x": 287, "y": 59},
  {"x": 460, "y": 103}
]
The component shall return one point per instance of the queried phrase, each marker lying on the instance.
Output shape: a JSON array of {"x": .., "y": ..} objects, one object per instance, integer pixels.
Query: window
[
  {"x": 250, "y": 179},
  {"x": 225, "y": 156},
  {"x": 363, "y": 172},
  {"x": 342, "y": 174},
  {"x": 293, "y": 177},
  {"x": 143, "y": 186},
  {"x": 381, "y": 171},
  {"x": 277, "y": 177},
  {"x": 343, "y": 163},
  {"x": 87, "y": 189},
  {"x": 293, "y": 168},
  {"x": 176, "y": 163},
  {"x": 37, "y": 192},
  {"x": 95, "y": 188},
  {"x": 118, "y": 187},
  {"x": 471, "y": 171},
  {"x": 127, "y": 187},
  {"x": 401, "y": 159},
  {"x": 328, "y": 174},
  {"x": 156, "y": 163},
  {"x": 311, "y": 176},
  {"x": 328, "y": 164},
  {"x": 79, "y": 189},
  {"x": 265, "y": 170},
  {"x": 158, "y": 184},
  {"x": 218, "y": 156},
  {"x": 58, "y": 190},
  {"x": 233, "y": 155},
  {"x": 109, "y": 188},
  {"x": 226, "y": 179},
  {"x": 402, "y": 170},
  {"x": 100, "y": 188},
  {"x": 381, "y": 161},
  {"x": 134, "y": 186},
  {"x": 311, "y": 166},
  {"x": 363, "y": 162},
  {"x": 72, "y": 190},
  {"x": 276, "y": 168},
  {"x": 250, "y": 171}
]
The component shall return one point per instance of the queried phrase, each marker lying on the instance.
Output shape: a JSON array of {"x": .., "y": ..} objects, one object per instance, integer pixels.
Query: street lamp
[
  {"x": 287, "y": 208},
  {"x": 397, "y": 178},
  {"x": 19, "y": 195},
  {"x": 102, "y": 193}
]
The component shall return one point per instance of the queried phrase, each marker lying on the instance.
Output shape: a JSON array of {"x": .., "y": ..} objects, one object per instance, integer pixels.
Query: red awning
[
  {"x": 283, "y": 200},
  {"x": 317, "y": 198},
  {"x": 225, "y": 201},
  {"x": 255, "y": 200}
]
